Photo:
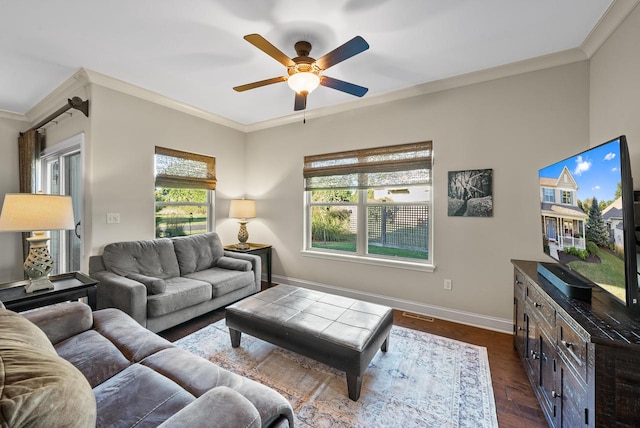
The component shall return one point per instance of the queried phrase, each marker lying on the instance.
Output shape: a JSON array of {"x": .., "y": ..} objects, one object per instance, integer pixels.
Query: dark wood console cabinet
[{"x": 582, "y": 358}]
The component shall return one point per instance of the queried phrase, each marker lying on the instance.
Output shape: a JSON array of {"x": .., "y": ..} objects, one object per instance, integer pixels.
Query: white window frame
[
  {"x": 186, "y": 182},
  {"x": 361, "y": 256}
]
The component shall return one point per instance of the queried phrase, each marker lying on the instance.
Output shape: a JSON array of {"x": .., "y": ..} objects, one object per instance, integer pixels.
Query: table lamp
[
  {"x": 37, "y": 213},
  {"x": 242, "y": 209}
]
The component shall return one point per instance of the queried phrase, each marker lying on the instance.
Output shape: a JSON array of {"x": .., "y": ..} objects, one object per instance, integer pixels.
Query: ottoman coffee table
[{"x": 338, "y": 331}]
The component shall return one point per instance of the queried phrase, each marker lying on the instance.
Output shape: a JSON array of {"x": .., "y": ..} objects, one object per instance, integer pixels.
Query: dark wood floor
[{"x": 516, "y": 404}]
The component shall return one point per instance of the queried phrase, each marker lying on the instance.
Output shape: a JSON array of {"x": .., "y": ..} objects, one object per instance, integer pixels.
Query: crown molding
[
  {"x": 147, "y": 95},
  {"x": 76, "y": 85},
  {"x": 609, "y": 22},
  {"x": 4, "y": 114}
]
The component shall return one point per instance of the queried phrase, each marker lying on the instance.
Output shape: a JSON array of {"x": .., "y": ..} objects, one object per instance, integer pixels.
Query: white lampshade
[
  {"x": 303, "y": 82},
  {"x": 26, "y": 212},
  {"x": 242, "y": 208}
]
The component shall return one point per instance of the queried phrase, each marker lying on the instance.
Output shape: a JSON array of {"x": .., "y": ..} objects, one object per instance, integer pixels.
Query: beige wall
[
  {"x": 513, "y": 125},
  {"x": 615, "y": 90},
  {"x": 120, "y": 162}
]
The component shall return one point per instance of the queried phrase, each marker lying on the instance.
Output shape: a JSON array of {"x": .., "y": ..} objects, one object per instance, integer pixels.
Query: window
[
  {"x": 373, "y": 204},
  {"x": 567, "y": 197},
  {"x": 184, "y": 192},
  {"x": 548, "y": 195}
]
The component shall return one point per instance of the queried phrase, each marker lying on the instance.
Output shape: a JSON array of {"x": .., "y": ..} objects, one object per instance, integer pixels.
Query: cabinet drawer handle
[
  {"x": 520, "y": 329},
  {"x": 566, "y": 344},
  {"x": 534, "y": 355},
  {"x": 555, "y": 394},
  {"x": 537, "y": 305},
  {"x": 518, "y": 282}
]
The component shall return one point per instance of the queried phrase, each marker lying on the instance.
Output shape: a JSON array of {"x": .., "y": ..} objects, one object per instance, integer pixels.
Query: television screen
[{"x": 587, "y": 217}]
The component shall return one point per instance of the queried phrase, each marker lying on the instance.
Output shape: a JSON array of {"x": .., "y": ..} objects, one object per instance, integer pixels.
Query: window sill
[{"x": 370, "y": 260}]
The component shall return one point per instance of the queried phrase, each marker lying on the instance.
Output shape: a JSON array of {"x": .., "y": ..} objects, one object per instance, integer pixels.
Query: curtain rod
[{"x": 75, "y": 102}]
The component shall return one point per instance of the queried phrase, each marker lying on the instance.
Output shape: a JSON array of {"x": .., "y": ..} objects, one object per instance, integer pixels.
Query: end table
[
  {"x": 259, "y": 250},
  {"x": 66, "y": 286}
]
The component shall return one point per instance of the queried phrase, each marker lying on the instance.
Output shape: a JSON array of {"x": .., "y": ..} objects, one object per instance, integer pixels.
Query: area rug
[{"x": 422, "y": 381}]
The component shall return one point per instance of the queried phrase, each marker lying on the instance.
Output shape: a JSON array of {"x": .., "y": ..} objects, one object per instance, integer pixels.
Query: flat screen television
[{"x": 587, "y": 219}]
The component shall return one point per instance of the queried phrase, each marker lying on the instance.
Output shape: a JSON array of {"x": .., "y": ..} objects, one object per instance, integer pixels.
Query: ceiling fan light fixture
[{"x": 303, "y": 82}]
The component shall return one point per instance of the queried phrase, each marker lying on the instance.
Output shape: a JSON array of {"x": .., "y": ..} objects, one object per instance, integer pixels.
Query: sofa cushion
[
  {"x": 81, "y": 350},
  {"x": 233, "y": 263},
  {"x": 154, "y": 285},
  {"x": 180, "y": 293},
  {"x": 134, "y": 341},
  {"x": 197, "y": 252},
  {"x": 61, "y": 321},
  {"x": 139, "y": 396},
  {"x": 224, "y": 281},
  {"x": 155, "y": 258},
  {"x": 38, "y": 388}
]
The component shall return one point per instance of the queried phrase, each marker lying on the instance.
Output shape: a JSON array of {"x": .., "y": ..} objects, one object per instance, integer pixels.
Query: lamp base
[
  {"x": 38, "y": 284},
  {"x": 38, "y": 264},
  {"x": 243, "y": 235}
]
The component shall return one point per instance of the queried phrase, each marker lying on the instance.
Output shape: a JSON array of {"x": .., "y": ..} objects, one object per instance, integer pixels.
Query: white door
[{"x": 62, "y": 175}]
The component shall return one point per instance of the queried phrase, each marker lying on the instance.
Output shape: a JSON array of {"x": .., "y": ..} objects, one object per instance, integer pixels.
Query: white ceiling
[{"x": 194, "y": 52}]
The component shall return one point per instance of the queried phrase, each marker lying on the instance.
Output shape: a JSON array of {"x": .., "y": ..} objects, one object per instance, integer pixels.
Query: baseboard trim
[{"x": 468, "y": 318}]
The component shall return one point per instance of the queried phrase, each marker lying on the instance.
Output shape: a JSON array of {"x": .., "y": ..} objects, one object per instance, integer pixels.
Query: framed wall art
[{"x": 470, "y": 193}]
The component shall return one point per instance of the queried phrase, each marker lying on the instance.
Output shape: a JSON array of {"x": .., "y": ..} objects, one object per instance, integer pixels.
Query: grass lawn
[
  {"x": 382, "y": 251},
  {"x": 178, "y": 226},
  {"x": 609, "y": 274}
]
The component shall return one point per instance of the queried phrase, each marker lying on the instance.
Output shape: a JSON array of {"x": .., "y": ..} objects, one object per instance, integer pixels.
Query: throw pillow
[
  {"x": 37, "y": 387},
  {"x": 154, "y": 285},
  {"x": 225, "y": 262}
]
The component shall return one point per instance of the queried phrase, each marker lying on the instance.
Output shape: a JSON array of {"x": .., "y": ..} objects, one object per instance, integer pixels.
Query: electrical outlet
[
  {"x": 447, "y": 284},
  {"x": 113, "y": 218}
]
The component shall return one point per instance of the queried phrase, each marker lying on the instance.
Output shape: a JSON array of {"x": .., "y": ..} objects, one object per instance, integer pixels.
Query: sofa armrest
[
  {"x": 61, "y": 321},
  {"x": 221, "y": 406},
  {"x": 256, "y": 265},
  {"x": 115, "y": 291}
]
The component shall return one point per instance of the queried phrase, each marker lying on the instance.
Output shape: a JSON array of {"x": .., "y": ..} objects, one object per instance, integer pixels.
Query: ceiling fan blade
[
  {"x": 261, "y": 43},
  {"x": 346, "y": 51},
  {"x": 254, "y": 85},
  {"x": 301, "y": 102},
  {"x": 343, "y": 86}
]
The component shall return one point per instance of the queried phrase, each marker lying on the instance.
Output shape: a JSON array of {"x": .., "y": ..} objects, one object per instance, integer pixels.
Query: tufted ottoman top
[{"x": 340, "y": 320}]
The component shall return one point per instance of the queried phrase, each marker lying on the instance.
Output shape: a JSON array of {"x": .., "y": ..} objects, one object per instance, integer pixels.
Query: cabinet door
[
  {"x": 532, "y": 351},
  {"x": 571, "y": 399},
  {"x": 519, "y": 318},
  {"x": 547, "y": 374}
]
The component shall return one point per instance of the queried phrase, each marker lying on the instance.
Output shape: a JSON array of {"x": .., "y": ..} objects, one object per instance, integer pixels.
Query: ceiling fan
[{"x": 304, "y": 71}]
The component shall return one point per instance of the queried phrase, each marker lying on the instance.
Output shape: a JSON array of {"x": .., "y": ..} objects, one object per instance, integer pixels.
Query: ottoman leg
[
  {"x": 385, "y": 344},
  {"x": 235, "y": 337},
  {"x": 354, "y": 383}
]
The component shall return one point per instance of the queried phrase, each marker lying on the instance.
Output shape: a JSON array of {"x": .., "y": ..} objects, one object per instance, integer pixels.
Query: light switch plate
[{"x": 113, "y": 218}]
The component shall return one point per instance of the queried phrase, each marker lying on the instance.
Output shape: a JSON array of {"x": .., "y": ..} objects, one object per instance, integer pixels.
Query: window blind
[
  {"x": 400, "y": 165},
  {"x": 184, "y": 170}
]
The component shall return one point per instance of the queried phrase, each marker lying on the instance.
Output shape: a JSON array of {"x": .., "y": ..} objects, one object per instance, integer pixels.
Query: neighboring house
[
  {"x": 563, "y": 222},
  {"x": 612, "y": 216}
]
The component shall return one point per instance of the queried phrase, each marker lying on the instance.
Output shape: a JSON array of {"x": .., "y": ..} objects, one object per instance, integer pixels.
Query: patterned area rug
[{"x": 422, "y": 381}]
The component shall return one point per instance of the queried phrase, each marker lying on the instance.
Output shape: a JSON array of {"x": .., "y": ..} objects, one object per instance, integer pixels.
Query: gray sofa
[
  {"x": 84, "y": 369},
  {"x": 164, "y": 282}
]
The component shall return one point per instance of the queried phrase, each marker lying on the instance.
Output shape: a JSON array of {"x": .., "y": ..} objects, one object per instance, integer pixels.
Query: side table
[
  {"x": 259, "y": 250},
  {"x": 67, "y": 286}
]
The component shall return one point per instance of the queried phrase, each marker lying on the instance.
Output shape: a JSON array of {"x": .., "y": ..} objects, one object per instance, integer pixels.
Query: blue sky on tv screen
[{"x": 597, "y": 171}]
